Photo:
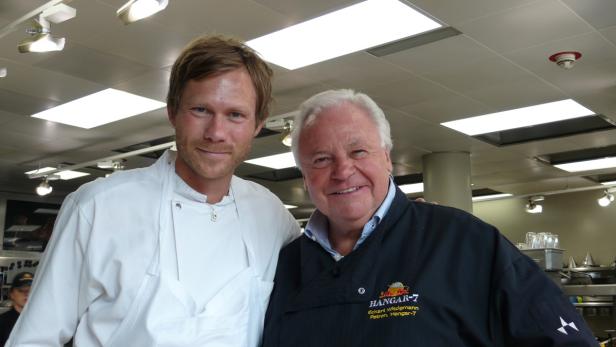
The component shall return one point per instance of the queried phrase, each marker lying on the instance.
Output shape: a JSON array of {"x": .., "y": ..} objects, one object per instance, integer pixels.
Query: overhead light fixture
[
  {"x": 135, "y": 10},
  {"x": 412, "y": 188},
  {"x": 41, "y": 39},
  {"x": 491, "y": 197},
  {"x": 366, "y": 24},
  {"x": 276, "y": 161},
  {"x": 63, "y": 175},
  {"x": 289, "y": 207},
  {"x": 3, "y": 72},
  {"x": 285, "y": 137},
  {"x": 44, "y": 188},
  {"x": 588, "y": 165},
  {"x": 111, "y": 164},
  {"x": 532, "y": 206},
  {"x": 607, "y": 198},
  {"x": 609, "y": 183},
  {"x": 100, "y": 108},
  {"x": 520, "y": 117}
]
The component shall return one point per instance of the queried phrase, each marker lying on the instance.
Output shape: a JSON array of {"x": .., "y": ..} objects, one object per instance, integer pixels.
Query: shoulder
[
  {"x": 121, "y": 184},
  {"x": 431, "y": 216},
  {"x": 244, "y": 187}
]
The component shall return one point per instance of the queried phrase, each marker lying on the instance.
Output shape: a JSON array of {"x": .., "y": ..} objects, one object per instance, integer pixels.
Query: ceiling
[{"x": 498, "y": 62}]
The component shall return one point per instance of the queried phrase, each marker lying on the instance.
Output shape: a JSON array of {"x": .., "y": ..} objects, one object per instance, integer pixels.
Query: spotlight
[
  {"x": 44, "y": 188},
  {"x": 135, "y": 10},
  {"x": 41, "y": 39},
  {"x": 606, "y": 199},
  {"x": 285, "y": 138},
  {"x": 532, "y": 206}
]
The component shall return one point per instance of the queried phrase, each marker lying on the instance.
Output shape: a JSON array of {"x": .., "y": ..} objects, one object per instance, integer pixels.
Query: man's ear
[
  {"x": 258, "y": 128},
  {"x": 171, "y": 115}
]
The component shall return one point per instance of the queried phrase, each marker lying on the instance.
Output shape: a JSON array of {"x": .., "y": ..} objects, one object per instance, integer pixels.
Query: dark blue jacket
[{"x": 428, "y": 275}]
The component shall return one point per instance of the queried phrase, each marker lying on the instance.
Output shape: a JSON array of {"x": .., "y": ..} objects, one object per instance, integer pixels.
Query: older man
[
  {"x": 181, "y": 253},
  {"x": 375, "y": 269}
]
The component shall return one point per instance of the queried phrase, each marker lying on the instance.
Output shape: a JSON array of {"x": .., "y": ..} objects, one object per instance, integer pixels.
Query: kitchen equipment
[
  {"x": 588, "y": 260},
  {"x": 549, "y": 259}
]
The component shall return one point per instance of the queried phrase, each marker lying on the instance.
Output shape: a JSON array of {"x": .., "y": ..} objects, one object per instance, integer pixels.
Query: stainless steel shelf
[
  {"x": 590, "y": 289},
  {"x": 593, "y": 304}
]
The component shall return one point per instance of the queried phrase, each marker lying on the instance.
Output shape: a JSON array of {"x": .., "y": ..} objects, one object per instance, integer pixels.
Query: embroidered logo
[
  {"x": 395, "y": 301},
  {"x": 564, "y": 324}
]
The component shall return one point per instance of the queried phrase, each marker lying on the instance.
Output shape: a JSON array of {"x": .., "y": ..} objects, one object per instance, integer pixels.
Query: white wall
[{"x": 582, "y": 225}]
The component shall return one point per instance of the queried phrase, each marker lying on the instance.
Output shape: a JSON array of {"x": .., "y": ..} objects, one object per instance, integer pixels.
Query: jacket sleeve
[
  {"x": 533, "y": 311},
  {"x": 53, "y": 308}
]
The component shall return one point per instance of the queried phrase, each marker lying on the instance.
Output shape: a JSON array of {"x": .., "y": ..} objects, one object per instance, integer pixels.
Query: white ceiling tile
[
  {"x": 455, "y": 12},
  {"x": 525, "y": 26},
  {"x": 358, "y": 71},
  {"x": 409, "y": 91},
  {"x": 524, "y": 91},
  {"x": 99, "y": 67},
  {"x": 244, "y": 19},
  {"x": 449, "y": 106},
  {"x": 453, "y": 52},
  {"x": 153, "y": 84},
  {"x": 599, "y": 13},
  {"x": 146, "y": 43}
]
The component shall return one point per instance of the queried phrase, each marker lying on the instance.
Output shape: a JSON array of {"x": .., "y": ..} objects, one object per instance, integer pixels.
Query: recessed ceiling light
[
  {"x": 63, "y": 175},
  {"x": 366, "y": 24},
  {"x": 520, "y": 117},
  {"x": 100, "y": 108},
  {"x": 588, "y": 165},
  {"x": 412, "y": 188},
  {"x": 276, "y": 161},
  {"x": 490, "y": 197}
]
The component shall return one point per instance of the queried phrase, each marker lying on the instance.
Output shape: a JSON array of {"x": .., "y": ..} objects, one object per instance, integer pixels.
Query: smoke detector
[{"x": 566, "y": 60}]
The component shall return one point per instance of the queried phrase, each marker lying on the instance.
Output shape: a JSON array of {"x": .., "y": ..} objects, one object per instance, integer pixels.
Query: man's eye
[
  {"x": 321, "y": 162},
  {"x": 236, "y": 115},
  {"x": 359, "y": 153},
  {"x": 198, "y": 110}
]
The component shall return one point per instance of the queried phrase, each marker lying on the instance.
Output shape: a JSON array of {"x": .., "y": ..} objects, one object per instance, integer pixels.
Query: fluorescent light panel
[
  {"x": 64, "y": 175},
  {"x": 490, "y": 197},
  {"x": 366, "y": 24},
  {"x": 520, "y": 117},
  {"x": 290, "y": 206},
  {"x": 276, "y": 161},
  {"x": 588, "y": 165},
  {"x": 610, "y": 183},
  {"x": 100, "y": 108},
  {"x": 412, "y": 188}
]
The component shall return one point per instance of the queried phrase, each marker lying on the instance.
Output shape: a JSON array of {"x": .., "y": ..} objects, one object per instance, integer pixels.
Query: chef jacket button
[
  {"x": 178, "y": 205},
  {"x": 361, "y": 290}
]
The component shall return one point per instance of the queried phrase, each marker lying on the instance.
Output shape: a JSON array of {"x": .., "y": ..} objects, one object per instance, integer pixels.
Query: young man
[
  {"x": 375, "y": 269},
  {"x": 181, "y": 253},
  {"x": 18, "y": 294}
]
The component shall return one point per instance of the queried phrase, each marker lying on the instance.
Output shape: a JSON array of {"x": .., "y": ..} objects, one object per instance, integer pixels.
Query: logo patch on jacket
[{"x": 395, "y": 302}]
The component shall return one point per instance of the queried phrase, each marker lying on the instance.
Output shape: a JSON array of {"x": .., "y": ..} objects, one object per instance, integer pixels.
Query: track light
[
  {"x": 532, "y": 206},
  {"x": 44, "y": 188},
  {"x": 135, "y": 10},
  {"x": 285, "y": 138},
  {"x": 606, "y": 199},
  {"x": 41, "y": 39}
]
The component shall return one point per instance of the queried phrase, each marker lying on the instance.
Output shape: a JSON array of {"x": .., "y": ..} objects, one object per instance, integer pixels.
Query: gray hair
[{"x": 310, "y": 109}]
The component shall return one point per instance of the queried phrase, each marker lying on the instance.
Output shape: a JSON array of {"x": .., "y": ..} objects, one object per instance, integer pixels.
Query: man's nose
[
  {"x": 215, "y": 130},
  {"x": 343, "y": 168}
]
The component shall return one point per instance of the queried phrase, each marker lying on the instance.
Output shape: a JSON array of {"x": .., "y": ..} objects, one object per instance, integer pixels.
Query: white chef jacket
[{"x": 106, "y": 243}]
